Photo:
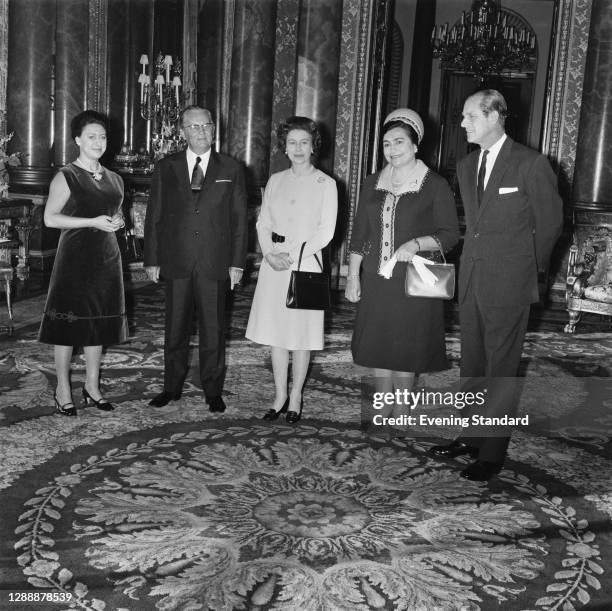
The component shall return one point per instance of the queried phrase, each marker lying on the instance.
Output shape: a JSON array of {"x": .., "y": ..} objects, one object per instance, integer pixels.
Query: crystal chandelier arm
[{"x": 483, "y": 42}]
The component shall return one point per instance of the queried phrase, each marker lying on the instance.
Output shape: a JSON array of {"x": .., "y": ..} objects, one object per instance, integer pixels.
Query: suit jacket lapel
[
  {"x": 181, "y": 170},
  {"x": 212, "y": 171},
  {"x": 499, "y": 169},
  {"x": 470, "y": 203}
]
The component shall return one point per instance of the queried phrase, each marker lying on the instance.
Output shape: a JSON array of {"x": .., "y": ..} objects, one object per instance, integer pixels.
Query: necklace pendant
[{"x": 97, "y": 176}]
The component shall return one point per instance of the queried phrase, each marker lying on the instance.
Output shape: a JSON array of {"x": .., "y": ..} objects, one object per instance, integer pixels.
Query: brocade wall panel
[
  {"x": 97, "y": 96},
  {"x": 3, "y": 62},
  {"x": 283, "y": 95},
  {"x": 563, "y": 112},
  {"x": 352, "y": 90}
]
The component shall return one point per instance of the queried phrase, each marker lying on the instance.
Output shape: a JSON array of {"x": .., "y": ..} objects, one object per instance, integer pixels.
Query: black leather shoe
[
  {"x": 455, "y": 448},
  {"x": 272, "y": 414},
  {"x": 164, "y": 398},
  {"x": 68, "y": 409},
  {"x": 481, "y": 471},
  {"x": 292, "y": 417},
  {"x": 215, "y": 404},
  {"x": 101, "y": 403}
]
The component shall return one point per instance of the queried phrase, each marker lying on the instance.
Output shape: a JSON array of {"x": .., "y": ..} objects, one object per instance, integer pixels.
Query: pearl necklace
[{"x": 96, "y": 174}]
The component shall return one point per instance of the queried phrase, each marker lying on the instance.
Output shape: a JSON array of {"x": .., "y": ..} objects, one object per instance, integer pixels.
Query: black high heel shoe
[
  {"x": 293, "y": 417},
  {"x": 105, "y": 406},
  {"x": 272, "y": 414},
  {"x": 64, "y": 410}
]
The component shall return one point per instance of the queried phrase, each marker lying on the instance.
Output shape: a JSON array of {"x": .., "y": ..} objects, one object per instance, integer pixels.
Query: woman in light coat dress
[{"x": 299, "y": 206}]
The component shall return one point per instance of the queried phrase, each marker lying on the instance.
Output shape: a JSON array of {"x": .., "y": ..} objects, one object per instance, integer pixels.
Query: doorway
[{"x": 517, "y": 89}]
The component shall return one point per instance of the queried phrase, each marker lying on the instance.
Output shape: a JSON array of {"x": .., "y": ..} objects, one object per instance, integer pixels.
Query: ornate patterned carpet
[{"x": 178, "y": 508}]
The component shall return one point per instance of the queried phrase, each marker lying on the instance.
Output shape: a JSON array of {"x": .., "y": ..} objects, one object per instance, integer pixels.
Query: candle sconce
[{"x": 161, "y": 102}]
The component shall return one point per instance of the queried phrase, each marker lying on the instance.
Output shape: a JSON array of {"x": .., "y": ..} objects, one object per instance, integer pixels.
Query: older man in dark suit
[
  {"x": 196, "y": 240},
  {"x": 513, "y": 216}
]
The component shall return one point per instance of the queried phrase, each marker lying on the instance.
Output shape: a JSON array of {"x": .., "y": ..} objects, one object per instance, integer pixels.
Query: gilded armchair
[{"x": 589, "y": 275}]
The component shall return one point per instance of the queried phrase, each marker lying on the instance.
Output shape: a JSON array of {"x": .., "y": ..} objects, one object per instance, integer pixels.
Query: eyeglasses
[{"x": 199, "y": 126}]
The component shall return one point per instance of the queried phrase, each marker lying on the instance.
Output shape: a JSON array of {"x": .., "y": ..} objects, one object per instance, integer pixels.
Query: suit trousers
[
  {"x": 491, "y": 346},
  {"x": 207, "y": 298}
]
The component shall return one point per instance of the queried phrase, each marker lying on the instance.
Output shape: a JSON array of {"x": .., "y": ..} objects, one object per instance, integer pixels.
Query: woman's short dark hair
[
  {"x": 78, "y": 123},
  {"x": 410, "y": 131},
  {"x": 303, "y": 123}
]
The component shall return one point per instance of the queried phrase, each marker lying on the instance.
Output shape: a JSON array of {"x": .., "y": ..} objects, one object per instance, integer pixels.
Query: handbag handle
[
  {"x": 439, "y": 248},
  {"x": 315, "y": 256}
]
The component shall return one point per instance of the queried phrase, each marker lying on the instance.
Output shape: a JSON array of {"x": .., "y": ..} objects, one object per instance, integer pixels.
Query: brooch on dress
[{"x": 97, "y": 175}]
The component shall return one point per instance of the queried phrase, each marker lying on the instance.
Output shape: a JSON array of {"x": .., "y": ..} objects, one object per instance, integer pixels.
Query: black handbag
[
  {"x": 308, "y": 290},
  {"x": 443, "y": 288}
]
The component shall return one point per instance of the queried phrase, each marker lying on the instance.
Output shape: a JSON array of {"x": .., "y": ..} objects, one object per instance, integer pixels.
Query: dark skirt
[
  {"x": 85, "y": 304},
  {"x": 397, "y": 332}
]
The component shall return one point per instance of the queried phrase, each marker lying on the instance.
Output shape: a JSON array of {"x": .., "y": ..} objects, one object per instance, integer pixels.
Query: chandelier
[
  {"x": 161, "y": 102},
  {"x": 483, "y": 43}
]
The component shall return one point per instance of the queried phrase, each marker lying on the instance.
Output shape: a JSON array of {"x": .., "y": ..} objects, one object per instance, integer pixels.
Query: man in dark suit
[
  {"x": 513, "y": 217},
  {"x": 196, "y": 240}
]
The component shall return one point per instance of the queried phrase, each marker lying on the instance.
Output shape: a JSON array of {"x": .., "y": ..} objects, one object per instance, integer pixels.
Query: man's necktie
[
  {"x": 482, "y": 170},
  {"x": 197, "y": 176}
]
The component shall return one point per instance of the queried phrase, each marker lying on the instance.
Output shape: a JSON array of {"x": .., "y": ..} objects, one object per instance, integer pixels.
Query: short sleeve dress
[
  {"x": 300, "y": 209},
  {"x": 85, "y": 304},
  {"x": 393, "y": 331}
]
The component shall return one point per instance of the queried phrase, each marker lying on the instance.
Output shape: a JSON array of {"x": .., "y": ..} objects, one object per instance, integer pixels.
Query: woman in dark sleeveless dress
[{"x": 85, "y": 304}]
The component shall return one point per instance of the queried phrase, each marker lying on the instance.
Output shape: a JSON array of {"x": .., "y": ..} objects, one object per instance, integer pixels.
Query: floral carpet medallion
[
  {"x": 178, "y": 508},
  {"x": 245, "y": 516}
]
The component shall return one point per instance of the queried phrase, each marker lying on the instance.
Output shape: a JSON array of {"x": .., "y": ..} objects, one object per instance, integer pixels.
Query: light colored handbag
[{"x": 426, "y": 278}]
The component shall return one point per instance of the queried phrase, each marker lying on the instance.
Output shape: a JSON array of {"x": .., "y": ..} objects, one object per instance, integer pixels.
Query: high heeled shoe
[
  {"x": 272, "y": 414},
  {"x": 292, "y": 416},
  {"x": 64, "y": 410},
  {"x": 105, "y": 406}
]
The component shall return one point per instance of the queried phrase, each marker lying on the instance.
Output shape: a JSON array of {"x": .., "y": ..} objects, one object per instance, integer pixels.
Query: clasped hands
[
  {"x": 107, "y": 223},
  {"x": 279, "y": 261}
]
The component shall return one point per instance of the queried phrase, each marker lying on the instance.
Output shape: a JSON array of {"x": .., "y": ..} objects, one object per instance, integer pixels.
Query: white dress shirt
[
  {"x": 191, "y": 161},
  {"x": 491, "y": 157}
]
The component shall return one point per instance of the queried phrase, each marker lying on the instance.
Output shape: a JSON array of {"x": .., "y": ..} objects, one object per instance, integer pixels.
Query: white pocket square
[
  {"x": 223, "y": 180},
  {"x": 504, "y": 190}
]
